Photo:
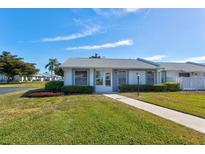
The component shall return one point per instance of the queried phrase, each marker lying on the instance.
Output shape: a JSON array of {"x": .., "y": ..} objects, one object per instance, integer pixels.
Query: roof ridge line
[
  {"x": 189, "y": 62},
  {"x": 148, "y": 62}
]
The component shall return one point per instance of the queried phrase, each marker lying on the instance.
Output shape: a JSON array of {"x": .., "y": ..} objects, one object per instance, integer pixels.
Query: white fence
[{"x": 191, "y": 83}]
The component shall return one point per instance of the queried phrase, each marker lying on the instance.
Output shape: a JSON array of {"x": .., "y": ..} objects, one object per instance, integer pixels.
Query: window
[
  {"x": 107, "y": 79},
  {"x": 150, "y": 77},
  {"x": 99, "y": 78},
  {"x": 81, "y": 78},
  {"x": 184, "y": 74}
]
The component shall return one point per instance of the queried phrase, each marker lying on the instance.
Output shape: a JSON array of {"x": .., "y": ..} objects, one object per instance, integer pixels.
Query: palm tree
[{"x": 51, "y": 65}]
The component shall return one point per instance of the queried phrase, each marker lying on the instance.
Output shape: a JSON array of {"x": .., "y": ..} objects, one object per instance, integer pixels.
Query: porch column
[{"x": 91, "y": 77}]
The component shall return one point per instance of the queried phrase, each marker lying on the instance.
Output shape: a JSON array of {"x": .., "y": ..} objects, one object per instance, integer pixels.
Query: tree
[
  {"x": 12, "y": 65},
  {"x": 58, "y": 70},
  {"x": 53, "y": 63},
  {"x": 29, "y": 69}
]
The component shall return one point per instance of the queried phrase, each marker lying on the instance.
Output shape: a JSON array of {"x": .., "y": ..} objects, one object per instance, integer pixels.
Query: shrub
[
  {"x": 77, "y": 89},
  {"x": 54, "y": 85},
  {"x": 144, "y": 88},
  {"x": 172, "y": 86}
]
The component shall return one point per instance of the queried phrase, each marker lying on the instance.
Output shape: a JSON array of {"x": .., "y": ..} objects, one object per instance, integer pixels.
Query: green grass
[
  {"x": 34, "y": 84},
  {"x": 85, "y": 119},
  {"x": 188, "y": 102}
]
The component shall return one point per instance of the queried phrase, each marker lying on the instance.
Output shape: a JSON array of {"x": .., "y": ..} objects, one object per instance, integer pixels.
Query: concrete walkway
[{"x": 187, "y": 120}]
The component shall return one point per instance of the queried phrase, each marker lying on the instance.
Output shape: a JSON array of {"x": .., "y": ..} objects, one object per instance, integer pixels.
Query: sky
[{"x": 175, "y": 35}]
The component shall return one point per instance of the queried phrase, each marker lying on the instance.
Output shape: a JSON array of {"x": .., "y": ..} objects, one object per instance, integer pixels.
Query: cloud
[
  {"x": 103, "y": 46},
  {"x": 117, "y": 11},
  {"x": 88, "y": 32},
  {"x": 156, "y": 57},
  {"x": 200, "y": 59},
  {"x": 130, "y": 10}
]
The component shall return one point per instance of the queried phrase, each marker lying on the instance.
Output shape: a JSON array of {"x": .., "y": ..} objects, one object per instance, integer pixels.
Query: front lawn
[
  {"x": 34, "y": 84},
  {"x": 188, "y": 102},
  {"x": 85, "y": 119}
]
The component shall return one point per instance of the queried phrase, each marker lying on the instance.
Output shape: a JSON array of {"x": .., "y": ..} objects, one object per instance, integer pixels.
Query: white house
[
  {"x": 191, "y": 76},
  {"x": 3, "y": 78},
  {"x": 36, "y": 77},
  {"x": 106, "y": 75},
  {"x": 45, "y": 77}
]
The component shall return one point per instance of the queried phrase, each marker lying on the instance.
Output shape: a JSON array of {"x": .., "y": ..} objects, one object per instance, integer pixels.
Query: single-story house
[
  {"x": 106, "y": 75},
  {"x": 45, "y": 77},
  {"x": 4, "y": 78},
  {"x": 191, "y": 76},
  {"x": 37, "y": 77}
]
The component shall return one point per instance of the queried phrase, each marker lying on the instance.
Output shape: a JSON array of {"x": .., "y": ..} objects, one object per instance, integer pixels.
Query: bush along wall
[
  {"x": 77, "y": 89},
  {"x": 169, "y": 86},
  {"x": 172, "y": 86},
  {"x": 54, "y": 86}
]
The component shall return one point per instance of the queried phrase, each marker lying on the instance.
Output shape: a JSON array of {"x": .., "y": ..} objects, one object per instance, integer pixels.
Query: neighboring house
[
  {"x": 106, "y": 75},
  {"x": 45, "y": 77},
  {"x": 3, "y": 78},
  {"x": 172, "y": 71},
  {"x": 191, "y": 76},
  {"x": 36, "y": 77}
]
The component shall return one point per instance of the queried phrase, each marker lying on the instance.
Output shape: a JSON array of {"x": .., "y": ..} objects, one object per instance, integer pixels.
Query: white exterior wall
[
  {"x": 104, "y": 88},
  {"x": 133, "y": 77},
  {"x": 199, "y": 74},
  {"x": 172, "y": 76},
  {"x": 67, "y": 76}
]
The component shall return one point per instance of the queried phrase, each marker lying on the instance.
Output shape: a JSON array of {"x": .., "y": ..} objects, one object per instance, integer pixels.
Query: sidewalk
[{"x": 187, "y": 120}]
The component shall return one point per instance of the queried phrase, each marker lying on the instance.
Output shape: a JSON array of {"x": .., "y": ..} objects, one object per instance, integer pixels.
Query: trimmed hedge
[
  {"x": 77, "y": 89},
  {"x": 172, "y": 86},
  {"x": 167, "y": 86},
  {"x": 54, "y": 85},
  {"x": 144, "y": 88}
]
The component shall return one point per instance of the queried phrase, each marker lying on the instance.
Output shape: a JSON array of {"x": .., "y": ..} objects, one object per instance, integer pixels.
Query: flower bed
[
  {"x": 42, "y": 93},
  {"x": 45, "y": 94}
]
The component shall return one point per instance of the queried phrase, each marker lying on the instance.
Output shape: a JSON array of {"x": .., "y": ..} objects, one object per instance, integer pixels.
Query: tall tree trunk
[{"x": 51, "y": 75}]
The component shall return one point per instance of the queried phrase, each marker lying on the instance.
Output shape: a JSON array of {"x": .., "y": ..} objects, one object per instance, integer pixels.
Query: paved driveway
[{"x": 10, "y": 90}]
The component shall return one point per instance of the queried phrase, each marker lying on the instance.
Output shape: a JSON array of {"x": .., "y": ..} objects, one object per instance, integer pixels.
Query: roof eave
[{"x": 111, "y": 67}]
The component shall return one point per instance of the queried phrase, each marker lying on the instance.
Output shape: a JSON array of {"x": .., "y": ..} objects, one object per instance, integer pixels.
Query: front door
[
  {"x": 120, "y": 78},
  {"x": 103, "y": 80}
]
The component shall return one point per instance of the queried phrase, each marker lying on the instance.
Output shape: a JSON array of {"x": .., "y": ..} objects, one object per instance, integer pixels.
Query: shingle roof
[
  {"x": 130, "y": 64},
  {"x": 187, "y": 67},
  {"x": 108, "y": 63}
]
